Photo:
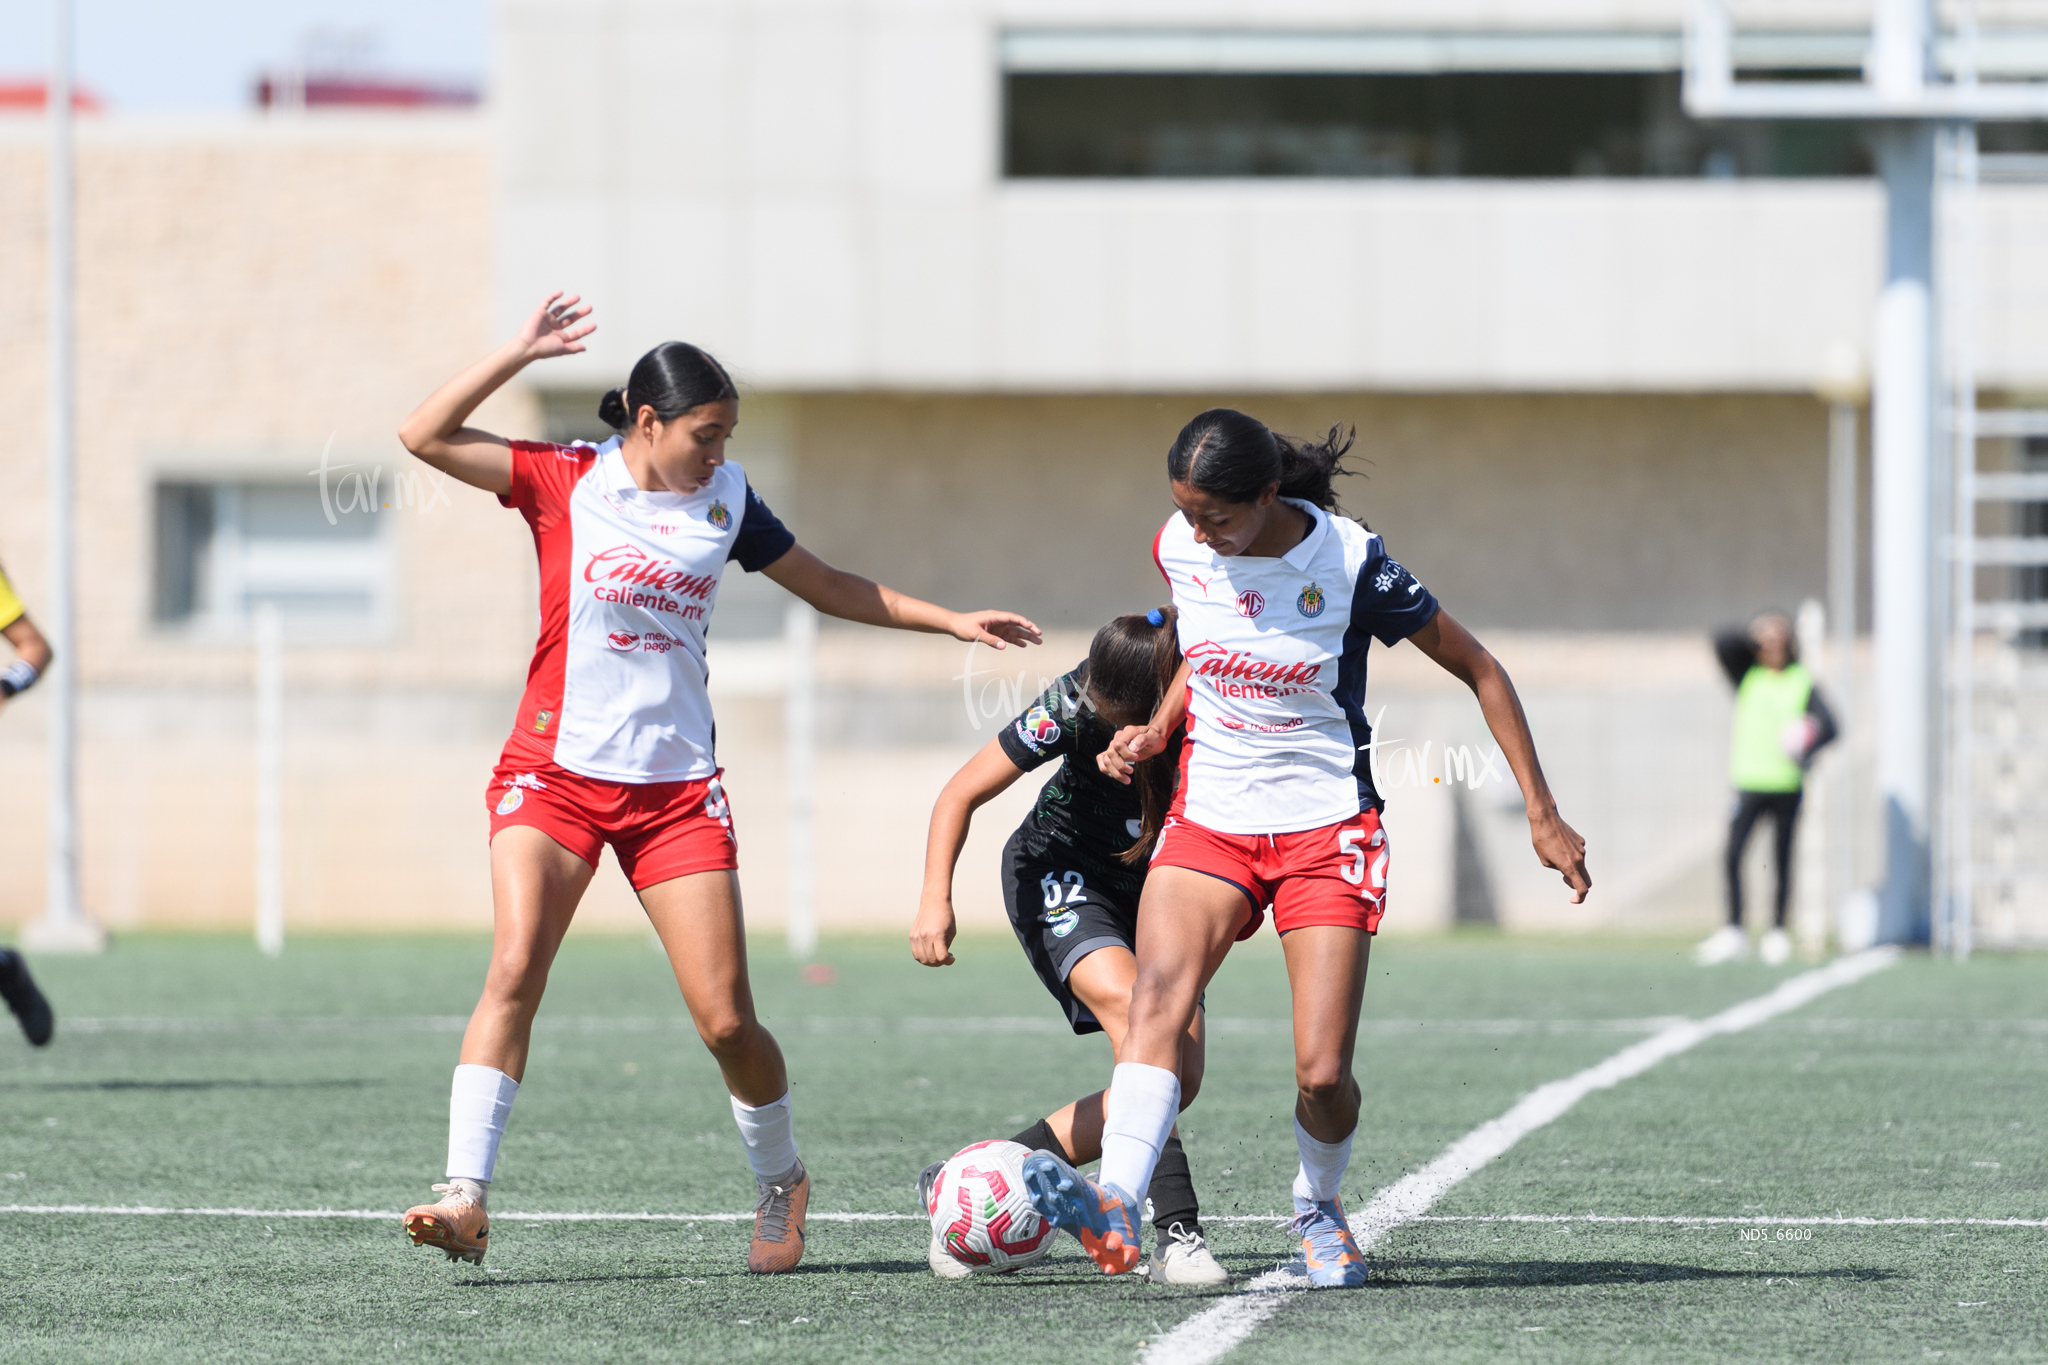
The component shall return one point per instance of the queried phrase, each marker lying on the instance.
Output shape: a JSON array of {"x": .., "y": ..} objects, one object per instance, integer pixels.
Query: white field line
[
  {"x": 1675, "y": 1219},
  {"x": 1211, "y": 1334},
  {"x": 956, "y": 1025},
  {"x": 1717, "y": 1220}
]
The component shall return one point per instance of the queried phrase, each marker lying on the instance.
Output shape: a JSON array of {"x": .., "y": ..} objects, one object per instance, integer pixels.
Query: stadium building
[{"x": 973, "y": 264}]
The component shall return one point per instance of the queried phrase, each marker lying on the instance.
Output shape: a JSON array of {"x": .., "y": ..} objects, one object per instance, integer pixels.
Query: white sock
[
  {"x": 1138, "y": 1113},
  {"x": 770, "y": 1138},
  {"x": 1322, "y": 1164},
  {"x": 478, "y": 1105}
]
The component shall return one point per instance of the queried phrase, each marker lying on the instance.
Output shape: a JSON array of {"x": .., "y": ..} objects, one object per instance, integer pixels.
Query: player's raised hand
[
  {"x": 931, "y": 937},
  {"x": 1561, "y": 849},
  {"x": 1130, "y": 746},
  {"x": 996, "y": 629},
  {"x": 556, "y": 327}
]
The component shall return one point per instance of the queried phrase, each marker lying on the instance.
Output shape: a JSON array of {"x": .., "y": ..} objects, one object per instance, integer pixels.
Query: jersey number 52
[{"x": 1351, "y": 844}]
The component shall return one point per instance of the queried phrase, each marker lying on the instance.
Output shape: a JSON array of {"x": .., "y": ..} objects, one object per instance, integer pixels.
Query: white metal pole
[
  {"x": 1902, "y": 550},
  {"x": 1841, "y": 672},
  {"x": 63, "y": 926},
  {"x": 800, "y": 714},
  {"x": 270, "y": 779}
]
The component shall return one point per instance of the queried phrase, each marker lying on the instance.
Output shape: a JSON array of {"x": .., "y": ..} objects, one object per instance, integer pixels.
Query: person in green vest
[{"x": 1781, "y": 722}]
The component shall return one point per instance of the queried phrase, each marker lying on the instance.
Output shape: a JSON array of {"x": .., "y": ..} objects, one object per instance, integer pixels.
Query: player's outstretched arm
[
  {"x": 850, "y": 597},
  {"x": 985, "y": 775},
  {"x": 1134, "y": 744},
  {"x": 1464, "y": 658},
  {"x": 435, "y": 430}
]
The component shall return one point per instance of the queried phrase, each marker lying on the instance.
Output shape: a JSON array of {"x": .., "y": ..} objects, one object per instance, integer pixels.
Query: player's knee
[
  {"x": 726, "y": 1033},
  {"x": 517, "y": 976},
  {"x": 1323, "y": 1081}
]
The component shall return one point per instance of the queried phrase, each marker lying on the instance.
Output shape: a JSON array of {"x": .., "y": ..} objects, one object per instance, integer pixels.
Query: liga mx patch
[
  {"x": 511, "y": 801},
  {"x": 1038, "y": 729}
]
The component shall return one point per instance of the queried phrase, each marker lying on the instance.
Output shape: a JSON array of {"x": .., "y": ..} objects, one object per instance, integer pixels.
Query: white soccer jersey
[
  {"x": 1276, "y": 721},
  {"x": 628, "y": 578}
]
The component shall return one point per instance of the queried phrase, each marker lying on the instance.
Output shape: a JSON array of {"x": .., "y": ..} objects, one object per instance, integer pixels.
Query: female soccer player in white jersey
[
  {"x": 613, "y": 742},
  {"x": 1279, "y": 599},
  {"x": 1072, "y": 874}
]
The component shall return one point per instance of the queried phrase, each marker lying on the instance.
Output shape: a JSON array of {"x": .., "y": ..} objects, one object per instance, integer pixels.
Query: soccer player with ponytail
[
  {"x": 1072, "y": 876},
  {"x": 1279, "y": 598},
  {"x": 613, "y": 742}
]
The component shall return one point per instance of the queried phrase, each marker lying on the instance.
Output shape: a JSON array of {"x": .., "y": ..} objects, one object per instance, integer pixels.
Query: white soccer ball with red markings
[{"x": 980, "y": 1213}]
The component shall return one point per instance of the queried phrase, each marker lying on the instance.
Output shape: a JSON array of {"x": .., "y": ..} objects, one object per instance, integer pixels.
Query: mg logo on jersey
[
  {"x": 634, "y": 567},
  {"x": 1250, "y": 603}
]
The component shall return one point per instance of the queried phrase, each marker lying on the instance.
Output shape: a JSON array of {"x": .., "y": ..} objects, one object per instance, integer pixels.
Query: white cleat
[
  {"x": 1726, "y": 944},
  {"x": 942, "y": 1264},
  {"x": 1776, "y": 948},
  {"x": 1182, "y": 1256}
]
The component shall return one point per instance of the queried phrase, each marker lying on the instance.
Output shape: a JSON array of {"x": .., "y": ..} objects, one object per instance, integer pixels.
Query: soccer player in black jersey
[{"x": 1071, "y": 877}]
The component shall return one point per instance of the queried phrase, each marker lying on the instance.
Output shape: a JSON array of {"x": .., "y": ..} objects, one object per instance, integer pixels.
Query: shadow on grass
[
  {"x": 1513, "y": 1274},
  {"x": 187, "y": 1085}
]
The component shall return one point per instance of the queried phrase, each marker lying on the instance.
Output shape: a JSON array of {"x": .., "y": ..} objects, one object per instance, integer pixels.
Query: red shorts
[
  {"x": 1333, "y": 875},
  {"x": 658, "y": 830}
]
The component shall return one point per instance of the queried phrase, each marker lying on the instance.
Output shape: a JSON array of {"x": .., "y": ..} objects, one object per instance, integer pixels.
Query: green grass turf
[{"x": 320, "y": 1080}]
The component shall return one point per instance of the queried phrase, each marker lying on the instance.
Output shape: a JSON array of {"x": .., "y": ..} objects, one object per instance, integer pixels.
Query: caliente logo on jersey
[
  {"x": 719, "y": 515},
  {"x": 1250, "y": 602},
  {"x": 633, "y": 566},
  {"x": 1311, "y": 601},
  {"x": 1213, "y": 660}
]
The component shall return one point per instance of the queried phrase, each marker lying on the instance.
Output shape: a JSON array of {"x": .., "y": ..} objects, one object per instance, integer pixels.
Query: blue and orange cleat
[
  {"x": 1100, "y": 1215},
  {"x": 1332, "y": 1259}
]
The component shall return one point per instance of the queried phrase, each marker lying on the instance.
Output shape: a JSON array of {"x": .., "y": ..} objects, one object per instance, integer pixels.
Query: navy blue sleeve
[
  {"x": 1389, "y": 601},
  {"x": 763, "y": 538}
]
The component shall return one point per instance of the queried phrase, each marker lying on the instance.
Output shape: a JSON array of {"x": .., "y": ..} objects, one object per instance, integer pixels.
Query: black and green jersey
[{"x": 1081, "y": 816}]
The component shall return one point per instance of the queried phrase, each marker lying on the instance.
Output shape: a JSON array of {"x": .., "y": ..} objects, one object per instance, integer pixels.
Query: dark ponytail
[
  {"x": 672, "y": 378},
  {"x": 1131, "y": 663},
  {"x": 1231, "y": 456}
]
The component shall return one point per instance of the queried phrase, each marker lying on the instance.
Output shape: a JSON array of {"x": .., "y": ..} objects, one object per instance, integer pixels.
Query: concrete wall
[{"x": 812, "y": 189}]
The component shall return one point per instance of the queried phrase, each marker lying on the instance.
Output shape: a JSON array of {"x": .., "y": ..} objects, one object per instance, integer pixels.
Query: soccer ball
[{"x": 980, "y": 1213}]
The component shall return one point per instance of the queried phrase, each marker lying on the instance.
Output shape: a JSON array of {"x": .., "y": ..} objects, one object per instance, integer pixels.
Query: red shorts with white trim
[
  {"x": 1333, "y": 875},
  {"x": 659, "y": 830}
]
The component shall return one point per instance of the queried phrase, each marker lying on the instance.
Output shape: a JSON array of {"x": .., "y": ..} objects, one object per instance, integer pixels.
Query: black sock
[
  {"x": 1173, "y": 1189},
  {"x": 1039, "y": 1137}
]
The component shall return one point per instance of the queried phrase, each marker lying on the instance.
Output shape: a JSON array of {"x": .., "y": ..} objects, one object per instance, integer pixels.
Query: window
[{"x": 224, "y": 547}]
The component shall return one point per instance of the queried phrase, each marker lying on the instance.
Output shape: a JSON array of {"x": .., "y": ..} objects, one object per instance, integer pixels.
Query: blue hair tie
[{"x": 1156, "y": 617}]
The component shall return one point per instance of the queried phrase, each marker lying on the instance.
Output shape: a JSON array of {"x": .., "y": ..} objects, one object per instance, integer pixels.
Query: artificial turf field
[{"x": 189, "y": 1072}]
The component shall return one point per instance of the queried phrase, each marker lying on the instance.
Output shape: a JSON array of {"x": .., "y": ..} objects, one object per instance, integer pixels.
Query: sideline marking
[
  {"x": 1676, "y": 1219},
  {"x": 1211, "y": 1334},
  {"x": 911, "y": 1024}
]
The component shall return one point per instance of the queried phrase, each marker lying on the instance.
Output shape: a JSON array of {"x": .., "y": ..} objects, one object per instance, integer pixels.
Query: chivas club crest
[
  {"x": 719, "y": 515},
  {"x": 1311, "y": 601}
]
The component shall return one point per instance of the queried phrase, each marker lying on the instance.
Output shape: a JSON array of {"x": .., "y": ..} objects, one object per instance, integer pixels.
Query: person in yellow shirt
[
  {"x": 32, "y": 655},
  {"x": 1780, "y": 724}
]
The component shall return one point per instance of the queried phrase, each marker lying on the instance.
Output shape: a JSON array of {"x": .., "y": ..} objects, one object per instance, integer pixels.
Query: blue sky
[{"x": 149, "y": 56}]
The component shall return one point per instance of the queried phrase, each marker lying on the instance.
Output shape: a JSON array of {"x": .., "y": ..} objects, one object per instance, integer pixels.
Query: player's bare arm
[
  {"x": 987, "y": 775},
  {"x": 435, "y": 431},
  {"x": 850, "y": 597},
  {"x": 1455, "y": 650},
  {"x": 1136, "y": 743},
  {"x": 30, "y": 648}
]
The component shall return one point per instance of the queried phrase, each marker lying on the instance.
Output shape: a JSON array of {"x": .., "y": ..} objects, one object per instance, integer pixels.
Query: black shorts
[{"x": 1061, "y": 914}]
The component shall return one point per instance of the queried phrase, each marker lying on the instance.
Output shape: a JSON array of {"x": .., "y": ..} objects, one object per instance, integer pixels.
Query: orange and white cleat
[
  {"x": 457, "y": 1224},
  {"x": 779, "y": 1224},
  {"x": 1102, "y": 1216}
]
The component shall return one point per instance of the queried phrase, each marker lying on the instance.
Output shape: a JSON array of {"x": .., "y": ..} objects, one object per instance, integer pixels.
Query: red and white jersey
[
  {"x": 1276, "y": 732},
  {"x": 627, "y": 581}
]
